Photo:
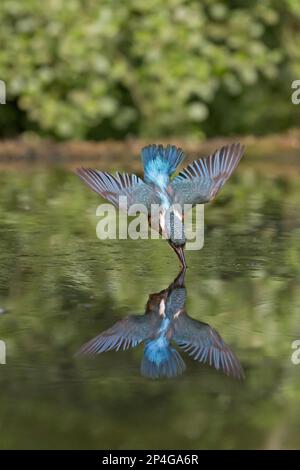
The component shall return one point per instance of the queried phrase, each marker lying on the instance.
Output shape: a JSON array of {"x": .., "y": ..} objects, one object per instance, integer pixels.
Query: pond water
[{"x": 60, "y": 286}]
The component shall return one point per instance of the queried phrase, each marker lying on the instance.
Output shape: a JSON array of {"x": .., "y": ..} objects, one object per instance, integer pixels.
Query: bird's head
[
  {"x": 175, "y": 228},
  {"x": 175, "y": 235}
]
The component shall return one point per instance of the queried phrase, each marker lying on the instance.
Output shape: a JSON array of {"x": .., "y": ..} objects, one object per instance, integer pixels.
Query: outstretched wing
[
  {"x": 126, "y": 333},
  {"x": 204, "y": 344},
  {"x": 202, "y": 179},
  {"x": 112, "y": 187}
]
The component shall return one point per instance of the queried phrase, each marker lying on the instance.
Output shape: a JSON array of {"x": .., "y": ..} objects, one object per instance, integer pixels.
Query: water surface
[{"x": 60, "y": 286}]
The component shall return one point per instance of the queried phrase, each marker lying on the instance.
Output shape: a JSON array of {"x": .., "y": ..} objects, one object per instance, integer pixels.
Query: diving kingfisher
[
  {"x": 164, "y": 323},
  {"x": 198, "y": 183}
]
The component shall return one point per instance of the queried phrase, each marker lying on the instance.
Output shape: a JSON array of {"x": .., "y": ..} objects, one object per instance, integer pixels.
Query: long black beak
[
  {"x": 179, "y": 250},
  {"x": 179, "y": 281}
]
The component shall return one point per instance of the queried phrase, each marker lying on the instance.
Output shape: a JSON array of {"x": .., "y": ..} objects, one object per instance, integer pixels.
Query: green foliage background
[{"x": 111, "y": 68}]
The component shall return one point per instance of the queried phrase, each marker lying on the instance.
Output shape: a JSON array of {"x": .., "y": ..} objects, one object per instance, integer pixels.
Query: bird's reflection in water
[{"x": 164, "y": 325}]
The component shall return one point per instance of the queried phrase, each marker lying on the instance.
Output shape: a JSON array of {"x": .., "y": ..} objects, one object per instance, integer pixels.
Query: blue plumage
[
  {"x": 160, "y": 163},
  {"x": 161, "y": 360}
]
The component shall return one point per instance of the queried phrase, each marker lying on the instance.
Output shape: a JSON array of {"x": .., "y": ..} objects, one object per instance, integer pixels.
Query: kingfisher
[
  {"x": 165, "y": 323},
  {"x": 198, "y": 183}
]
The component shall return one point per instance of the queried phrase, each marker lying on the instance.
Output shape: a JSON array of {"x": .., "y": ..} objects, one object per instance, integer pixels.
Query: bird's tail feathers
[
  {"x": 160, "y": 162},
  {"x": 161, "y": 360}
]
